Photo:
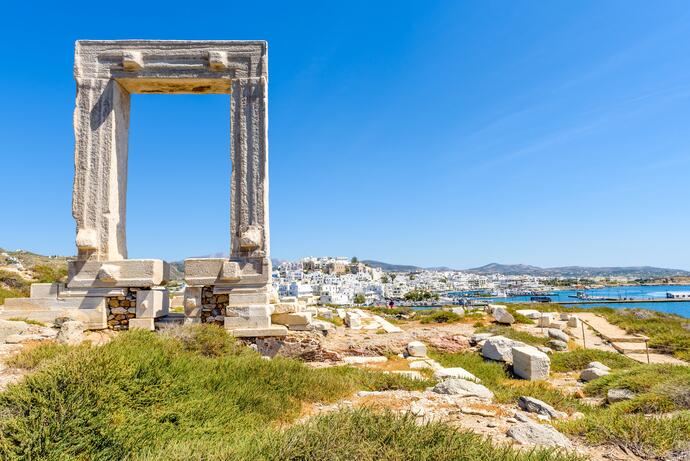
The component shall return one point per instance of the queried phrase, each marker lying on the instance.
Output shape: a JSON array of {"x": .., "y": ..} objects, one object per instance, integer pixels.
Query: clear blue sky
[{"x": 430, "y": 133}]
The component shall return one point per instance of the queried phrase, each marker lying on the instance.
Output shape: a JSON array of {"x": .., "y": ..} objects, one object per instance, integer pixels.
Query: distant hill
[
  {"x": 391, "y": 267},
  {"x": 577, "y": 271}
]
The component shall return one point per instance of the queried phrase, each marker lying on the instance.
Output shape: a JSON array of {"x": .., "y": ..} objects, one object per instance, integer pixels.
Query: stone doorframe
[{"x": 107, "y": 72}]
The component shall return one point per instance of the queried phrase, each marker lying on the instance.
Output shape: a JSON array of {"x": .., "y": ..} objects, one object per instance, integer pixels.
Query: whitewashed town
[{"x": 347, "y": 281}]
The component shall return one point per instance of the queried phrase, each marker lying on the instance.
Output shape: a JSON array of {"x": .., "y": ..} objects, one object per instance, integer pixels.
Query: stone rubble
[{"x": 532, "y": 405}]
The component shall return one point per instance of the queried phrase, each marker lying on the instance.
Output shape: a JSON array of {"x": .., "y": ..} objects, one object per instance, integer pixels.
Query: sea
[{"x": 647, "y": 292}]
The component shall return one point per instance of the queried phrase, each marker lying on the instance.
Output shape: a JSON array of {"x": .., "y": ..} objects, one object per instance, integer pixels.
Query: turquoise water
[{"x": 638, "y": 292}]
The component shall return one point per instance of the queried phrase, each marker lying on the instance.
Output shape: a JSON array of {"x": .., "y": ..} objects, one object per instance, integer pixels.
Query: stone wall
[
  {"x": 213, "y": 307},
  {"x": 121, "y": 309}
]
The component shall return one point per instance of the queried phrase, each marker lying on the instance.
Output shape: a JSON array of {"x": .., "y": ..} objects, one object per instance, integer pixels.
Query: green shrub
[
  {"x": 579, "y": 358},
  {"x": 368, "y": 436},
  {"x": 49, "y": 274},
  {"x": 647, "y": 437},
  {"x": 441, "y": 317}
]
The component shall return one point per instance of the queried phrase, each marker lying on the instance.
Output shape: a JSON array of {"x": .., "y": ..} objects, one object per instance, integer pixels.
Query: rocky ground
[{"x": 456, "y": 397}]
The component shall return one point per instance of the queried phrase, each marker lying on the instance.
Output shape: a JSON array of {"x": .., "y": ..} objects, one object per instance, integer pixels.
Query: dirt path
[{"x": 630, "y": 345}]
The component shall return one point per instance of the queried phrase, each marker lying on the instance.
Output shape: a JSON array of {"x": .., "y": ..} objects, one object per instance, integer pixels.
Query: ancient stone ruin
[{"x": 104, "y": 287}]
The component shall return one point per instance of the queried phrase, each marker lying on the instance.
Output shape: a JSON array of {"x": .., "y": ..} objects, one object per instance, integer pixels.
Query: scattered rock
[
  {"x": 558, "y": 334},
  {"x": 501, "y": 315},
  {"x": 619, "y": 395},
  {"x": 532, "y": 405},
  {"x": 71, "y": 332},
  {"x": 592, "y": 373},
  {"x": 545, "y": 350},
  {"x": 530, "y": 363},
  {"x": 463, "y": 388},
  {"x": 416, "y": 349},
  {"x": 499, "y": 348},
  {"x": 479, "y": 337},
  {"x": 530, "y": 433},
  {"x": 523, "y": 418},
  {"x": 558, "y": 345},
  {"x": 457, "y": 372},
  {"x": 598, "y": 365},
  {"x": 477, "y": 411}
]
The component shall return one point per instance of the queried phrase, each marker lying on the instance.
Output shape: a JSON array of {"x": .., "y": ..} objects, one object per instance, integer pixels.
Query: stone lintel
[
  {"x": 118, "y": 274},
  {"x": 193, "y": 59},
  {"x": 92, "y": 292}
]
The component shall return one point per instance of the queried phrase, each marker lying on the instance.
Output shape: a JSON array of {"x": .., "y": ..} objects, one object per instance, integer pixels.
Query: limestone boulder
[
  {"x": 532, "y": 314},
  {"x": 530, "y": 363},
  {"x": 619, "y": 395},
  {"x": 545, "y": 320},
  {"x": 501, "y": 315},
  {"x": 532, "y": 405},
  {"x": 530, "y": 433},
  {"x": 71, "y": 332},
  {"x": 557, "y": 334},
  {"x": 462, "y": 388},
  {"x": 416, "y": 349},
  {"x": 590, "y": 374},
  {"x": 499, "y": 348},
  {"x": 455, "y": 373},
  {"x": 558, "y": 345}
]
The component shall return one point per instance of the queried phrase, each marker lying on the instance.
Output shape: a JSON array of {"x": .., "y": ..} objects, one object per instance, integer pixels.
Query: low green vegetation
[
  {"x": 12, "y": 285},
  {"x": 334, "y": 319},
  {"x": 498, "y": 377},
  {"x": 646, "y": 436},
  {"x": 579, "y": 358},
  {"x": 656, "y": 421},
  {"x": 194, "y": 390},
  {"x": 364, "y": 435},
  {"x": 439, "y": 316},
  {"x": 658, "y": 387},
  {"x": 668, "y": 333},
  {"x": 49, "y": 274},
  {"x": 509, "y": 332}
]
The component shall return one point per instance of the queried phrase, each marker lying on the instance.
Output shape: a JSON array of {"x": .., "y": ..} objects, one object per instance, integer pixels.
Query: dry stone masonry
[{"x": 236, "y": 289}]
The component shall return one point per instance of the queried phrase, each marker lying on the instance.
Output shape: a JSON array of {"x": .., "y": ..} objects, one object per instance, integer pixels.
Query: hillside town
[{"x": 347, "y": 281}]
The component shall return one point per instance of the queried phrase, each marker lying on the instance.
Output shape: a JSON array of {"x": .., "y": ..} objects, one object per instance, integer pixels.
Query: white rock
[
  {"x": 544, "y": 321},
  {"x": 619, "y": 395},
  {"x": 456, "y": 372},
  {"x": 424, "y": 365},
  {"x": 598, "y": 365},
  {"x": 558, "y": 345},
  {"x": 501, "y": 315},
  {"x": 532, "y": 405},
  {"x": 499, "y": 348},
  {"x": 458, "y": 310},
  {"x": 558, "y": 334},
  {"x": 479, "y": 337},
  {"x": 530, "y": 433},
  {"x": 463, "y": 388},
  {"x": 416, "y": 349},
  {"x": 592, "y": 373},
  {"x": 71, "y": 332},
  {"x": 530, "y": 363}
]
